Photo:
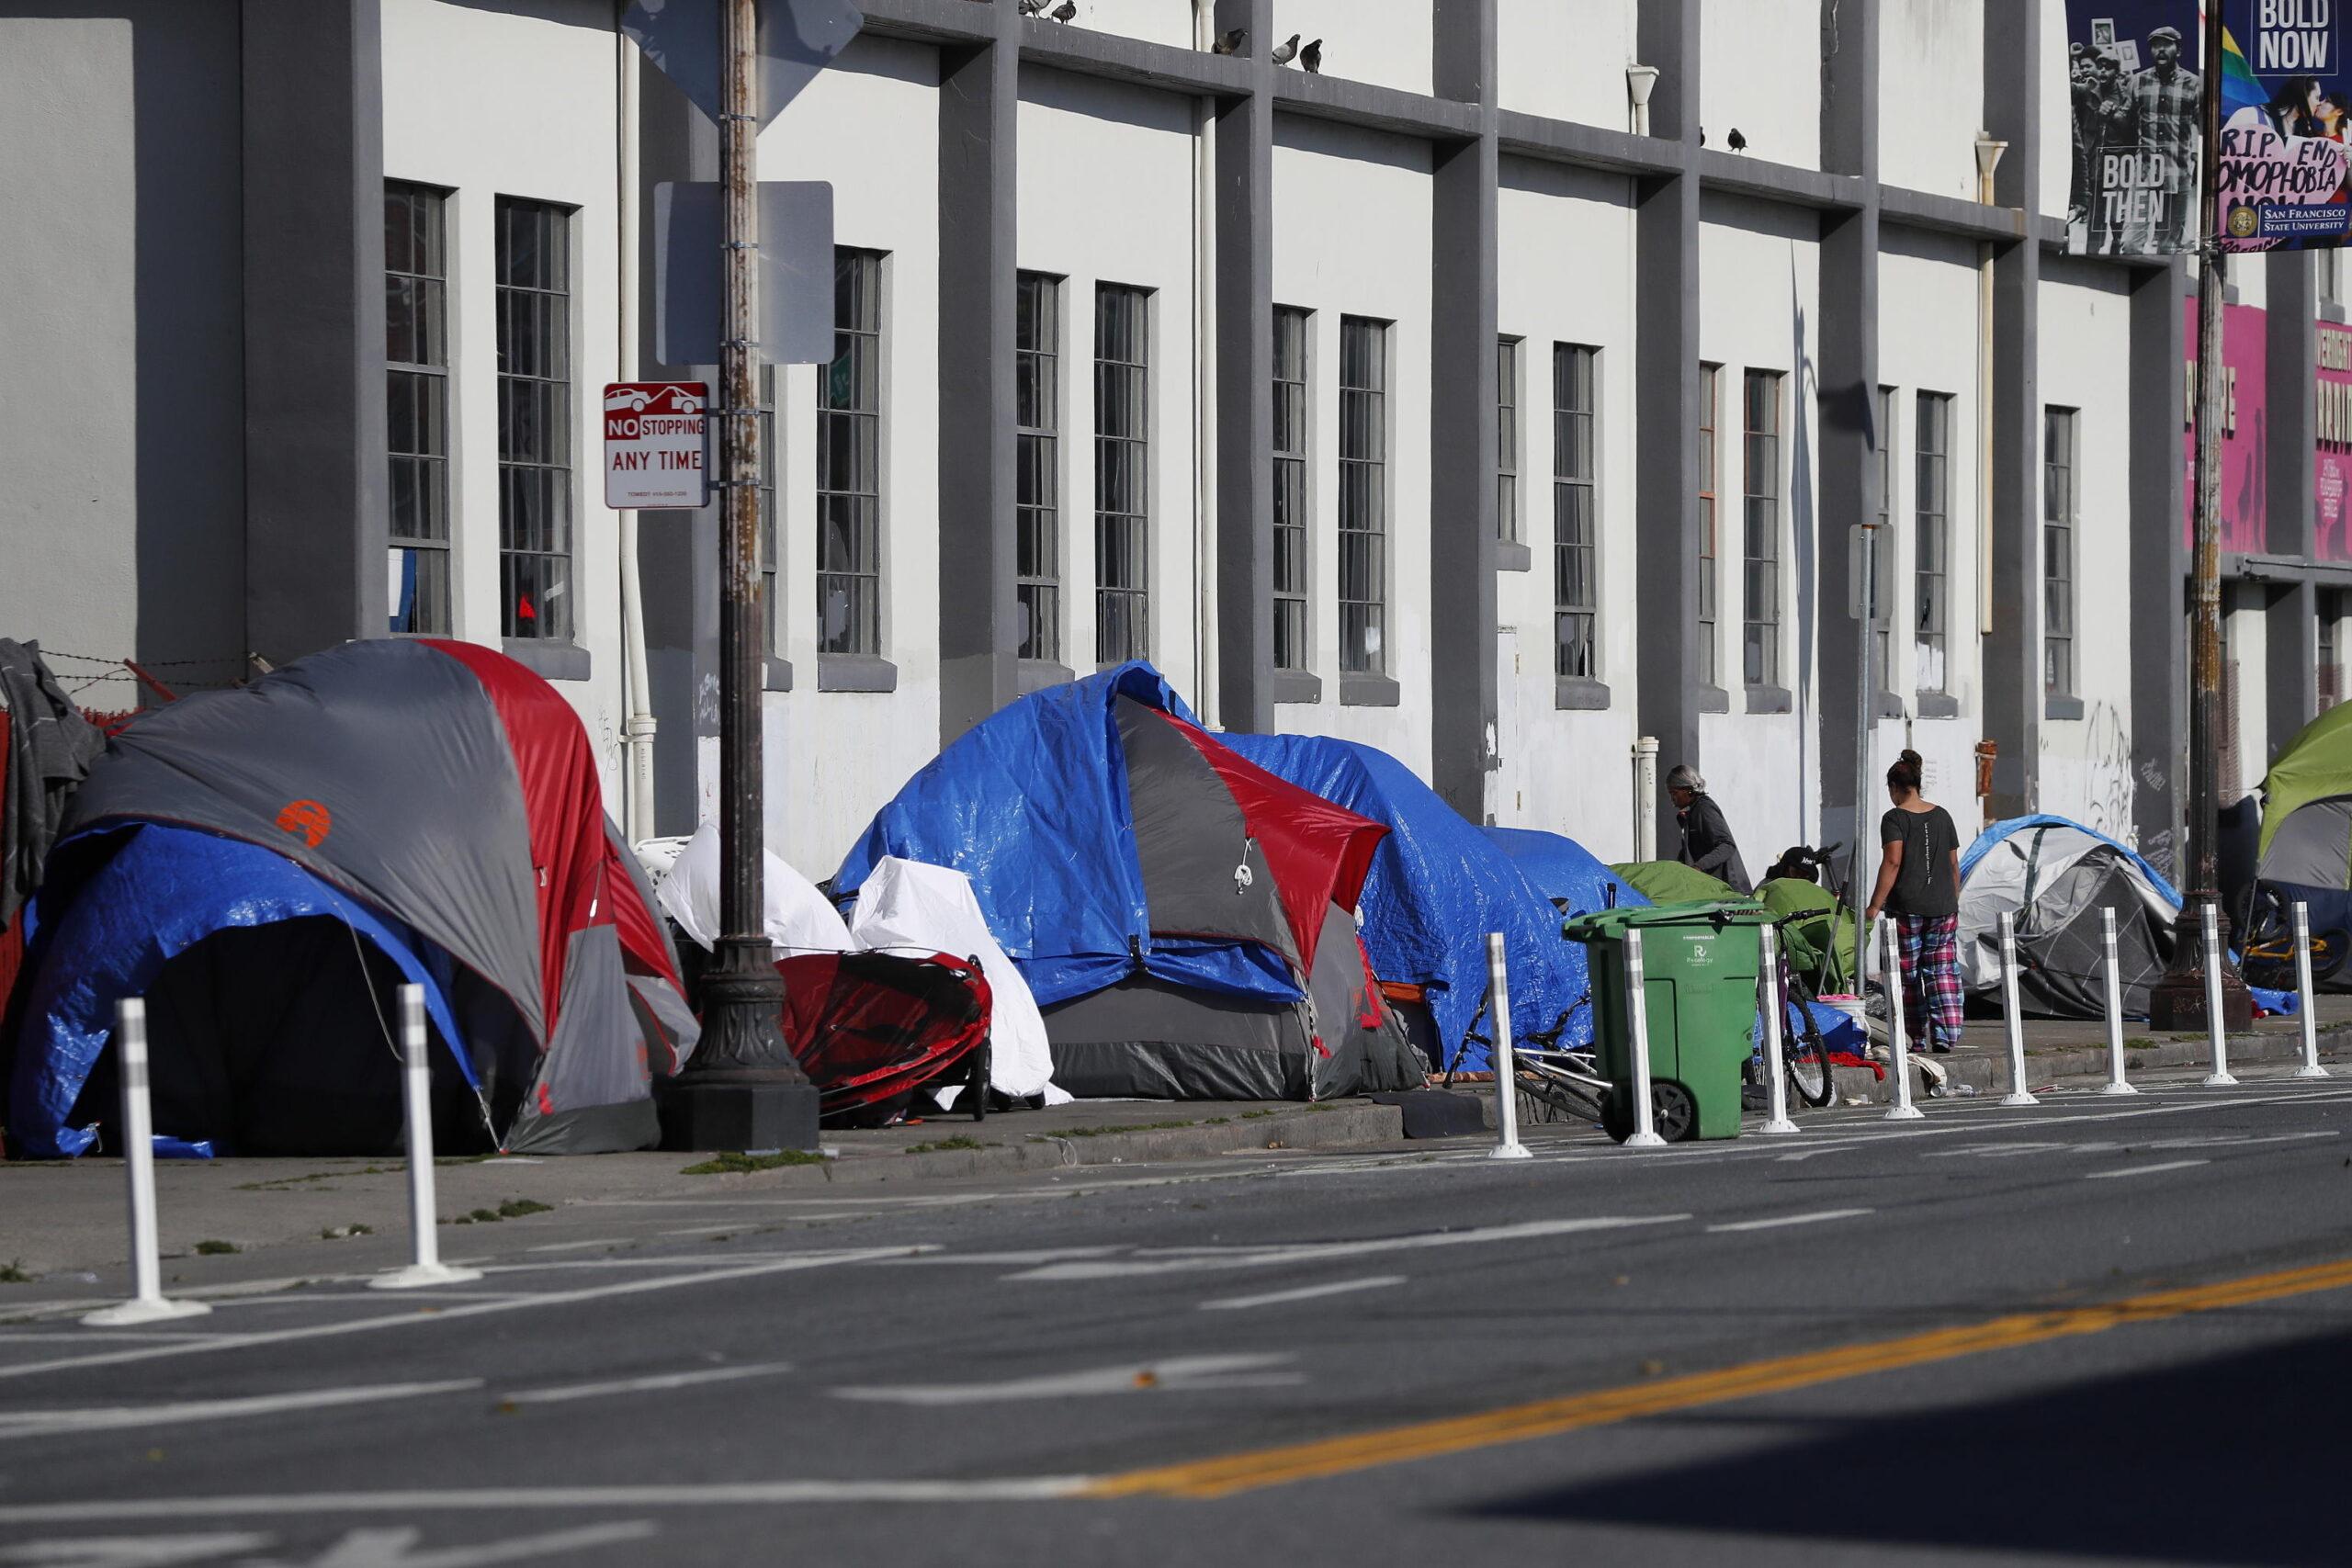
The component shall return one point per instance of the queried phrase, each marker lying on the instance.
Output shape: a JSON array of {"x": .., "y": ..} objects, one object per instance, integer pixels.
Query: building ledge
[
  {"x": 1577, "y": 694},
  {"x": 777, "y": 674},
  {"x": 1770, "y": 699},
  {"x": 855, "y": 673},
  {"x": 1036, "y": 674},
  {"x": 1362, "y": 691},
  {"x": 1712, "y": 699},
  {"x": 1938, "y": 705},
  {"x": 1302, "y": 687},
  {"x": 2061, "y": 707},
  {"x": 550, "y": 660},
  {"x": 1511, "y": 556}
]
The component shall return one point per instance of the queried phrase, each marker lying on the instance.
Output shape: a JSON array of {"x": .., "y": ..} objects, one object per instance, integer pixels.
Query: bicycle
[{"x": 2268, "y": 956}]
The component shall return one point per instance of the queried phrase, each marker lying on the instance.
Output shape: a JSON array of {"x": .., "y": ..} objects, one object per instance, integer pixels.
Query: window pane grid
[
  {"x": 1931, "y": 536},
  {"x": 2058, "y": 510},
  {"x": 1364, "y": 496},
  {"x": 1122, "y": 474},
  {"x": 1037, "y": 567},
  {"x": 1575, "y": 593},
  {"x": 1710, "y": 468},
  {"x": 1507, "y": 440},
  {"x": 848, "y": 463},
  {"x": 1760, "y": 521},
  {"x": 532, "y": 263},
  {"x": 1291, "y": 574},
  {"x": 416, "y": 363}
]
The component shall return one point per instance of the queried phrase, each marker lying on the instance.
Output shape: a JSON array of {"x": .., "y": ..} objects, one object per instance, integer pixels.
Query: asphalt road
[{"x": 1869, "y": 1343}]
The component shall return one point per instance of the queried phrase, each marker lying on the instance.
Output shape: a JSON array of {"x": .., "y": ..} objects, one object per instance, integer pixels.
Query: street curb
[
  {"x": 1987, "y": 1073},
  {"x": 1334, "y": 1125}
]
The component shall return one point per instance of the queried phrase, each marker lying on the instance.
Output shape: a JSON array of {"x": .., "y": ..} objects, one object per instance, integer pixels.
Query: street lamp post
[
  {"x": 2178, "y": 1000},
  {"x": 741, "y": 1090}
]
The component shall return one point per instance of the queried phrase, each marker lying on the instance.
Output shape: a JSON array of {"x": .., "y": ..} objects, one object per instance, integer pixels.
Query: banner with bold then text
[
  {"x": 2138, "y": 112},
  {"x": 2286, "y": 95}
]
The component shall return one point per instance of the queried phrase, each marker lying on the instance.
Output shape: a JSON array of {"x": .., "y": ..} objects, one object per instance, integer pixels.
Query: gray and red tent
[{"x": 265, "y": 864}]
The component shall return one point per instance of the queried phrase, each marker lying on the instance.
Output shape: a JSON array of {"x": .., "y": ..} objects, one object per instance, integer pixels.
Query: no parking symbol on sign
[{"x": 655, "y": 444}]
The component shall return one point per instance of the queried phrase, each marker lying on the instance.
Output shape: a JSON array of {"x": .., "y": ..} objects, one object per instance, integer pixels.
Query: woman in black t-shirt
[{"x": 1918, "y": 884}]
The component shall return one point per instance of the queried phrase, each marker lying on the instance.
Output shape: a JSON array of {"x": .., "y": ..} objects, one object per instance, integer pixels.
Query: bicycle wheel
[{"x": 1805, "y": 1054}]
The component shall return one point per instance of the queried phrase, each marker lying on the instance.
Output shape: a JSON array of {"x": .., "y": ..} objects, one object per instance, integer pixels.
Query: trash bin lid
[{"x": 1610, "y": 925}]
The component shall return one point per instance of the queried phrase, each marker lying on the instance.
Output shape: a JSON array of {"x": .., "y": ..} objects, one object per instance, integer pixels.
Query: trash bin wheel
[{"x": 1673, "y": 1113}]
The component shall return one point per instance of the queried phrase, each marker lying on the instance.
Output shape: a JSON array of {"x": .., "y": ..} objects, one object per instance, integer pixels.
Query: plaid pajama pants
[{"x": 1931, "y": 991}]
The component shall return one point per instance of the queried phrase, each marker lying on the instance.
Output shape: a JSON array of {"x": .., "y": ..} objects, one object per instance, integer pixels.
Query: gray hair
[{"x": 1685, "y": 776}]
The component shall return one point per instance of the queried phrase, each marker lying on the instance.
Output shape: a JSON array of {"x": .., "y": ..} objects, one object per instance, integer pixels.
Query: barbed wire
[{"x": 144, "y": 664}]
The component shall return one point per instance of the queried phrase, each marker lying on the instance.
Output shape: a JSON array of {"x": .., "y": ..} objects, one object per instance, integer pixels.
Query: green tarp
[
  {"x": 2317, "y": 763},
  {"x": 1671, "y": 881}
]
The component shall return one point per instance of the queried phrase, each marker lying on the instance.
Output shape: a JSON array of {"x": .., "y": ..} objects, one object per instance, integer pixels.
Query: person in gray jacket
[{"x": 1706, "y": 837}]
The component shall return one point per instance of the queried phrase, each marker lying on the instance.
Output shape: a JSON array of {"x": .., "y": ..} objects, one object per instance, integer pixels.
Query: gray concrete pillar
[
  {"x": 2012, "y": 654},
  {"x": 2159, "y": 562},
  {"x": 1245, "y": 373}
]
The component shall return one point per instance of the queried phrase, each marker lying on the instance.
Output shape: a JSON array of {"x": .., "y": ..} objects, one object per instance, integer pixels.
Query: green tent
[
  {"x": 2316, "y": 765},
  {"x": 1786, "y": 895},
  {"x": 1671, "y": 881}
]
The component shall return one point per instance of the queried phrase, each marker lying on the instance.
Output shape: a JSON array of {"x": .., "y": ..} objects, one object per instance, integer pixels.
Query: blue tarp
[
  {"x": 161, "y": 891},
  {"x": 2008, "y": 826},
  {"x": 1559, "y": 868},
  {"x": 1032, "y": 805},
  {"x": 1438, "y": 885}
]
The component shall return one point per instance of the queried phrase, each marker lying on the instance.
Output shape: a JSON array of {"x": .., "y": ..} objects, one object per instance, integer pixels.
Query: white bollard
[
  {"x": 147, "y": 1303},
  {"x": 2010, "y": 1011},
  {"x": 1507, "y": 1143},
  {"x": 2115, "y": 1083},
  {"x": 1774, "y": 1005},
  {"x": 1637, "y": 1002},
  {"x": 2305, "y": 995},
  {"x": 2216, "y": 1029},
  {"x": 1903, "y": 1110},
  {"x": 416, "y": 1094}
]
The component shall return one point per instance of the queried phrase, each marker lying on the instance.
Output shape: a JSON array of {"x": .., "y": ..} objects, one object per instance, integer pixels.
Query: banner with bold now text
[
  {"x": 2138, "y": 126},
  {"x": 2286, "y": 94}
]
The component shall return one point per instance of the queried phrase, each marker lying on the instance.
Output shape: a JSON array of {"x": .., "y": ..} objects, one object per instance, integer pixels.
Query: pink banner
[
  {"x": 2331, "y": 537},
  {"x": 2244, "y": 485}
]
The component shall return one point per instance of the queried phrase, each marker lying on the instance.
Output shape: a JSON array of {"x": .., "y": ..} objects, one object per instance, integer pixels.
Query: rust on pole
[
  {"x": 2178, "y": 1000},
  {"x": 741, "y": 1088}
]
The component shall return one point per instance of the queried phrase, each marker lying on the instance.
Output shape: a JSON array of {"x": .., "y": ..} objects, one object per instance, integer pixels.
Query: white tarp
[
  {"x": 799, "y": 920},
  {"x": 907, "y": 906}
]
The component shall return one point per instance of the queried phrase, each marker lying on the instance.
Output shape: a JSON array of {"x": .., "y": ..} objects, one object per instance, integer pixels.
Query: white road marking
[
  {"x": 390, "y": 1547},
  {"x": 645, "y": 1384},
  {"x": 51, "y": 1423},
  {"x": 1038, "y": 1255},
  {"x": 583, "y": 1246},
  {"x": 2145, "y": 1169},
  {"x": 748, "y": 1494},
  {"x": 1304, "y": 1293},
  {"x": 1778, "y": 1221},
  {"x": 83, "y": 1335},
  {"x": 132, "y": 1552},
  {"x": 1177, "y": 1374},
  {"x": 470, "y": 1309},
  {"x": 1815, "y": 1153},
  {"x": 1315, "y": 1252}
]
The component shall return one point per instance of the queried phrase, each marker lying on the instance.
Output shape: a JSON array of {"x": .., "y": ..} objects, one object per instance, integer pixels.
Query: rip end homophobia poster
[
  {"x": 2138, "y": 133},
  {"x": 2284, "y": 100}
]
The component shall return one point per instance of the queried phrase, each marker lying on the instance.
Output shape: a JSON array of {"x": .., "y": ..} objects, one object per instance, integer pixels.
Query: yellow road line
[{"x": 1223, "y": 1476}]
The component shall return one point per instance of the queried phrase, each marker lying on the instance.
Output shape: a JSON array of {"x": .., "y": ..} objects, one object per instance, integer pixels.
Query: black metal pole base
[
  {"x": 2178, "y": 1001},
  {"x": 741, "y": 1088}
]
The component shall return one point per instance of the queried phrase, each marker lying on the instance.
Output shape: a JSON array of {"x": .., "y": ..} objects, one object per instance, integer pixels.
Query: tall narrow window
[
  {"x": 1576, "y": 514},
  {"x": 416, "y": 367},
  {"x": 1507, "y": 440},
  {"x": 1121, "y": 473},
  {"x": 848, "y": 463},
  {"x": 535, "y": 476},
  {"x": 1292, "y": 576},
  {"x": 771, "y": 601},
  {"x": 2058, "y": 504},
  {"x": 1883, "y": 551},
  {"x": 1037, "y": 473},
  {"x": 1710, "y": 656},
  {"x": 1364, "y": 496},
  {"x": 2331, "y": 648},
  {"x": 1931, "y": 537},
  {"x": 1760, "y": 583}
]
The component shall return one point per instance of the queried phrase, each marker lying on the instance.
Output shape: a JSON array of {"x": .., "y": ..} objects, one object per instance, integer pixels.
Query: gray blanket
[{"x": 50, "y": 747}]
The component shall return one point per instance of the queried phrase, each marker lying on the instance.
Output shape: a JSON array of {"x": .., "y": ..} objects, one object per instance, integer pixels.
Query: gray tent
[{"x": 1145, "y": 1038}]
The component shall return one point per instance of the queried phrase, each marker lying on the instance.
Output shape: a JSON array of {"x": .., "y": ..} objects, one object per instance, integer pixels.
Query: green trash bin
[{"x": 1699, "y": 964}]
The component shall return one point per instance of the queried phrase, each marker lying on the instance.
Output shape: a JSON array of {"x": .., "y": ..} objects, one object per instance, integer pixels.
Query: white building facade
[{"x": 1513, "y": 388}]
